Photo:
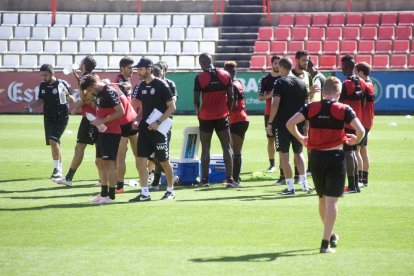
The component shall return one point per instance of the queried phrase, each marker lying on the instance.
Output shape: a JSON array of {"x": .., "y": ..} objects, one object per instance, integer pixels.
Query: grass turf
[{"x": 47, "y": 229}]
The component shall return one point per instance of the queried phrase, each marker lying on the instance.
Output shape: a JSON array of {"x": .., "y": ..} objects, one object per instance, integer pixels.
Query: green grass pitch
[{"x": 46, "y": 229}]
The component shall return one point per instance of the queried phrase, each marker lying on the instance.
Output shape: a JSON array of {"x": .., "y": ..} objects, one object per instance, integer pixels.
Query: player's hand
[
  {"x": 305, "y": 129},
  {"x": 153, "y": 126},
  {"x": 269, "y": 130},
  {"x": 304, "y": 141},
  {"x": 135, "y": 125},
  {"x": 97, "y": 122},
  {"x": 351, "y": 139}
]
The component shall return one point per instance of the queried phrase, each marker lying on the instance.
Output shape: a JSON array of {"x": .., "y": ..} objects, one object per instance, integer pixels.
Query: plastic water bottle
[
  {"x": 69, "y": 68},
  {"x": 62, "y": 93},
  {"x": 91, "y": 117}
]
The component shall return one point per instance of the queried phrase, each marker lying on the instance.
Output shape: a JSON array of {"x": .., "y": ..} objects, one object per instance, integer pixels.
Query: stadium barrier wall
[{"x": 394, "y": 90}]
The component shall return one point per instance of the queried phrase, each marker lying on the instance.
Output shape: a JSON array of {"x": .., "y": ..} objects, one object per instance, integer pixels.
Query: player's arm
[
  {"x": 36, "y": 103},
  {"x": 273, "y": 112},
  {"x": 118, "y": 112},
  {"x": 291, "y": 125},
  {"x": 197, "y": 94},
  {"x": 263, "y": 96},
  {"x": 170, "y": 110},
  {"x": 352, "y": 119},
  {"x": 230, "y": 96}
]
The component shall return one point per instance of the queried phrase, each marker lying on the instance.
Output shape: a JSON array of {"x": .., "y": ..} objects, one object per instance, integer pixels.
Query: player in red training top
[
  {"x": 109, "y": 111},
  {"x": 214, "y": 85},
  {"x": 327, "y": 120},
  {"x": 239, "y": 123},
  {"x": 363, "y": 69}
]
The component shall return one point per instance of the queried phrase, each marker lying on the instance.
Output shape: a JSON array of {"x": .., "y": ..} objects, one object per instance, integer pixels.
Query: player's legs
[
  {"x": 360, "y": 163},
  {"x": 169, "y": 175},
  {"x": 237, "y": 145},
  {"x": 225, "y": 141},
  {"x": 143, "y": 171},
  {"x": 365, "y": 166},
  {"x": 205, "y": 140},
  {"x": 271, "y": 150},
  {"x": 120, "y": 162},
  {"x": 57, "y": 158}
]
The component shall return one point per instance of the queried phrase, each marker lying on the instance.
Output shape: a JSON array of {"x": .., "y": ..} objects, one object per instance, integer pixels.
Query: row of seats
[
  {"x": 335, "y": 33},
  {"x": 109, "y": 33},
  {"x": 333, "y": 62},
  {"x": 106, "y": 47},
  {"x": 335, "y": 47},
  {"x": 100, "y": 20},
  {"x": 348, "y": 19},
  {"x": 104, "y": 62}
]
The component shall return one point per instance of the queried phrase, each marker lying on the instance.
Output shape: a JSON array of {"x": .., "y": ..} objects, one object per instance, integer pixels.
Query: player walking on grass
[
  {"x": 152, "y": 93},
  {"x": 327, "y": 120},
  {"x": 54, "y": 94},
  {"x": 289, "y": 94}
]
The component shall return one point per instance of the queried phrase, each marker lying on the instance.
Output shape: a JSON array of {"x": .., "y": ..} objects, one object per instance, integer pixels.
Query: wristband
[
  {"x": 158, "y": 122},
  {"x": 269, "y": 123}
]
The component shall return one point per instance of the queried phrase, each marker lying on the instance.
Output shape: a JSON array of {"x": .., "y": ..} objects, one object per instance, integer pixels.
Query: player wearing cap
[{"x": 327, "y": 119}]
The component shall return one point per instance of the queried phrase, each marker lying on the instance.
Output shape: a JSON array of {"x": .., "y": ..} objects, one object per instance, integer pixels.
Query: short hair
[
  {"x": 286, "y": 63},
  {"x": 275, "y": 57},
  {"x": 301, "y": 53},
  {"x": 230, "y": 64},
  {"x": 332, "y": 85},
  {"x": 364, "y": 67},
  {"x": 125, "y": 61},
  {"x": 47, "y": 68},
  {"x": 89, "y": 62},
  {"x": 162, "y": 64},
  {"x": 87, "y": 81},
  {"x": 348, "y": 58}
]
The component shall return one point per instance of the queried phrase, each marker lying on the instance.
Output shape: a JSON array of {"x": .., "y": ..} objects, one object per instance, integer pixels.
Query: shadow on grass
[
  {"x": 50, "y": 197},
  {"x": 57, "y": 206},
  {"x": 263, "y": 257},
  {"x": 251, "y": 198},
  {"x": 50, "y": 188}
]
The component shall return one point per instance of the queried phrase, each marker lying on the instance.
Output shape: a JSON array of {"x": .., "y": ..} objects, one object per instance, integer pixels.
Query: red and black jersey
[
  {"x": 368, "y": 110},
  {"x": 119, "y": 80},
  {"x": 213, "y": 85},
  {"x": 265, "y": 88},
  {"x": 87, "y": 108},
  {"x": 106, "y": 100},
  {"x": 130, "y": 114},
  {"x": 327, "y": 121},
  {"x": 353, "y": 94},
  {"x": 238, "y": 114}
]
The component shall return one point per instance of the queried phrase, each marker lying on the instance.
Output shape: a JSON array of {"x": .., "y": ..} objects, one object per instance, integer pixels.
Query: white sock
[
  {"x": 170, "y": 189},
  {"x": 302, "y": 178},
  {"x": 56, "y": 164},
  {"x": 60, "y": 165},
  {"x": 289, "y": 183},
  {"x": 145, "y": 191}
]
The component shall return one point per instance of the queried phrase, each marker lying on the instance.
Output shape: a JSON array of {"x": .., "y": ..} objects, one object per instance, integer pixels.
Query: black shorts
[
  {"x": 126, "y": 130},
  {"x": 283, "y": 139},
  {"x": 349, "y": 147},
  {"x": 239, "y": 128},
  {"x": 87, "y": 133},
  {"x": 364, "y": 141},
  {"x": 54, "y": 128},
  {"x": 266, "y": 119},
  {"x": 210, "y": 125},
  {"x": 107, "y": 146},
  {"x": 150, "y": 142},
  {"x": 328, "y": 172}
]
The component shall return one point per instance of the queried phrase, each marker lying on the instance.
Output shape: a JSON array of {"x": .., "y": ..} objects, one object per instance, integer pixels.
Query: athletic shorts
[
  {"x": 150, "y": 142},
  {"x": 266, "y": 119},
  {"x": 283, "y": 139},
  {"x": 328, "y": 172},
  {"x": 239, "y": 128},
  {"x": 107, "y": 146},
  {"x": 126, "y": 130},
  {"x": 210, "y": 125},
  {"x": 54, "y": 128},
  {"x": 364, "y": 141},
  {"x": 349, "y": 147},
  {"x": 87, "y": 132}
]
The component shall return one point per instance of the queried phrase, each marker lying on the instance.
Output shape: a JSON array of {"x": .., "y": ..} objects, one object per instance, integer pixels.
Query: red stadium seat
[
  {"x": 383, "y": 46},
  {"x": 269, "y": 62},
  {"x": 314, "y": 47},
  {"x": 295, "y": 46},
  {"x": 364, "y": 58},
  {"x": 411, "y": 62},
  {"x": 354, "y": 19},
  {"x": 279, "y": 47},
  {"x": 320, "y": 20},
  {"x": 350, "y": 33},
  {"x": 327, "y": 62},
  {"x": 348, "y": 47},
  {"x": 403, "y": 32},
  {"x": 299, "y": 33},
  {"x": 406, "y": 19},
  {"x": 388, "y": 19},
  {"x": 286, "y": 20},
  {"x": 337, "y": 19},
  {"x": 316, "y": 33},
  {"x": 385, "y": 32},
  {"x": 333, "y": 33},
  {"x": 315, "y": 60},
  {"x": 401, "y": 46},
  {"x": 398, "y": 61},
  {"x": 368, "y": 33},
  {"x": 265, "y": 33},
  {"x": 258, "y": 62},
  {"x": 371, "y": 19},
  {"x": 292, "y": 57},
  {"x": 366, "y": 47},
  {"x": 380, "y": 61},
  {"x": 331, "y": 47},
  {"x": 262, "y": 47},
  {"x": 281, "y": 33},
  {"x": 303, "y": 20}
]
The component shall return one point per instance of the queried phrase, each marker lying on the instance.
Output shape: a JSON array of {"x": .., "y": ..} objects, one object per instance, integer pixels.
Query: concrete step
[
  {"x": 235, "y": 49},
  {"x": 252, "y": 36}
]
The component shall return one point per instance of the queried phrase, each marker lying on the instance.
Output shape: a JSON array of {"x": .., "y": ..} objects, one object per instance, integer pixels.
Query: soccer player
[
  {"x": 318, "y": 80},
  {"x": 215, "y": 87},
  {"x": 239, "y": 123},
  {"x": 54, "y": 94},
  {"x": 152, "y": 93},
  {"x": 289, "y": 95},
  {"x": 363, "y": 69},
  {"x": 266, "y": 84},
  {"x": 325, "y": 141}
]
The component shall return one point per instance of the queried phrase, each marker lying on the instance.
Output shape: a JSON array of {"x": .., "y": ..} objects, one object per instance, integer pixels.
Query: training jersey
[
  {"x": 106, "y": 100},
  {"x": 173, "y": 88},
  {"x": 238, "y": 113},
  {"x": 129, "y": 112},
  {"x": 213, "y": 85},
  {"x": 49, "y": 93},
  {"x": 319, "y": 80},
  {"x": 305, "y": 77},
  {"x": 353, "y": 94},
  {"x": 152, "y": 95},
  {"x": 119, "y": 80},
  {"x": 293, "y": 95},
  {"x": 327, "y": 121},
  {"x": 368, "y": 110},
  {"x": 266, "y": 85}
]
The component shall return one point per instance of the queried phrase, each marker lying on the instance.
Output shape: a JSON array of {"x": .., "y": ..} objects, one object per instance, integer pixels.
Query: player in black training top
[{"x": 55, "y": 96}]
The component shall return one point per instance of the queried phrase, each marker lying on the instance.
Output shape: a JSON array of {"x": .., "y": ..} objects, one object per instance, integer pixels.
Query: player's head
[
  {"x": 125, "y": 66},
  {"x": 231, "y": 67},
  {"x": 347, "y": 65},
  {"x": 332, "y": 87},
  {"x": 87, "y": 64},
  {"x": 89, "y": 85},
  {"x": 285, "y": 65},
  {"x": 47, "y": 72},
  {"x": 362, "y": 69},
  {"x": 157, "y": 71},
  {"x": 206, "y": 61},
  {"x": 275, "y": 63},
  {"x": 163, "y": 65},
  {"x": 302, "y": 59},
  {"x": 144, "y": 67}
]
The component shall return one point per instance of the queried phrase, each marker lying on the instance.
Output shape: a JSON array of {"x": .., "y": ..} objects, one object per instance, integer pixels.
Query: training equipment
[
  {"x": 217, "y": 169},
  {"x": 187, "y": 171}
]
